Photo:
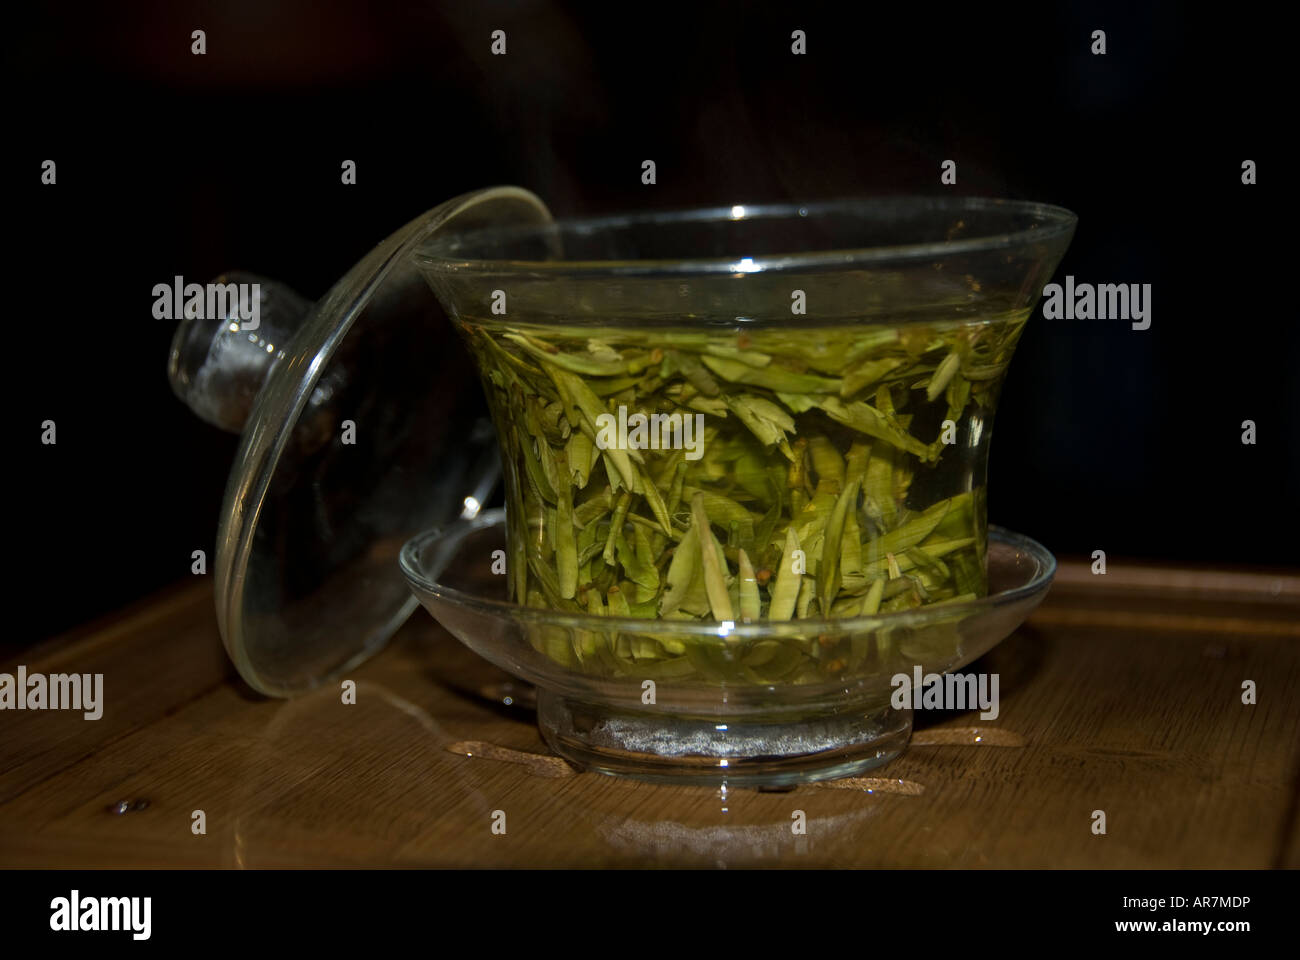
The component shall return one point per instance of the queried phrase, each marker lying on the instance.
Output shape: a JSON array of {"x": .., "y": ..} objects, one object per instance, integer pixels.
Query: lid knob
[{"x": 219, "y": 362}]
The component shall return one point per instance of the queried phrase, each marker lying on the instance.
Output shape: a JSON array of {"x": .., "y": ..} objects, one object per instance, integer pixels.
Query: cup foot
[{"x": 737, "y": 752}]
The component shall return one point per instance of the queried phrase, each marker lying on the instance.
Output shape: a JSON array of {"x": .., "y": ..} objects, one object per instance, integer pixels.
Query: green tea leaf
[
  {"x": 711, "y": 562},
  {"x": 773, "y": 378}
]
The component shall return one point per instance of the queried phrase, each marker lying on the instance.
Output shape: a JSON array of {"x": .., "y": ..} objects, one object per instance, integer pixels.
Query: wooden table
[{"x": 1122, "y": 694}]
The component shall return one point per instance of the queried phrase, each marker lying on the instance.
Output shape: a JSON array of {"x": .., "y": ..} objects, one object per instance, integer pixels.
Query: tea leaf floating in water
[{"x": 766, "y": 475}]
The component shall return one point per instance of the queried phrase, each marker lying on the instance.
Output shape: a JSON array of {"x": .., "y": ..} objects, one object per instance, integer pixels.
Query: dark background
[{"x": 170, "y": 163}]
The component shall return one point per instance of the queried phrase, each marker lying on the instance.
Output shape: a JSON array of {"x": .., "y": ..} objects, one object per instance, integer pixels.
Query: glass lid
[{"x": 370, "y": 427}]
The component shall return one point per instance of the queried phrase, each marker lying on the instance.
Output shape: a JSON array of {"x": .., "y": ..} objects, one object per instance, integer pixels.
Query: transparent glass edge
[{"x": 423, "y": 586}]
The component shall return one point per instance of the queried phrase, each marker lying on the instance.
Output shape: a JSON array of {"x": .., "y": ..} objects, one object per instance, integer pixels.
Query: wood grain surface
[{"x": 1122, "y": 694}]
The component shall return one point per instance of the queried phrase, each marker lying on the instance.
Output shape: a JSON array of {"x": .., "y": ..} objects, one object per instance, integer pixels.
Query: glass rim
[
  {"x": 1045, "y": 223},
  {"x": 425, "y": 586}
]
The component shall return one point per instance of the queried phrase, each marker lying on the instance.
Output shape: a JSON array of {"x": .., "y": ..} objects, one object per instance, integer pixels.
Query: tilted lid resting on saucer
[{"x": 370, "y": 427}]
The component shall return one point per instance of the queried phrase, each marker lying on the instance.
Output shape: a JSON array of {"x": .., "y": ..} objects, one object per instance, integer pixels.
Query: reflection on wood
[
  {"x": 966, "y": 737},
  {"x": 539, "y": 765}
]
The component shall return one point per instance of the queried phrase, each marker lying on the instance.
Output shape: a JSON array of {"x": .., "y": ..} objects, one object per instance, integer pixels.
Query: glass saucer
[{"x": 716, "y": 709}]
